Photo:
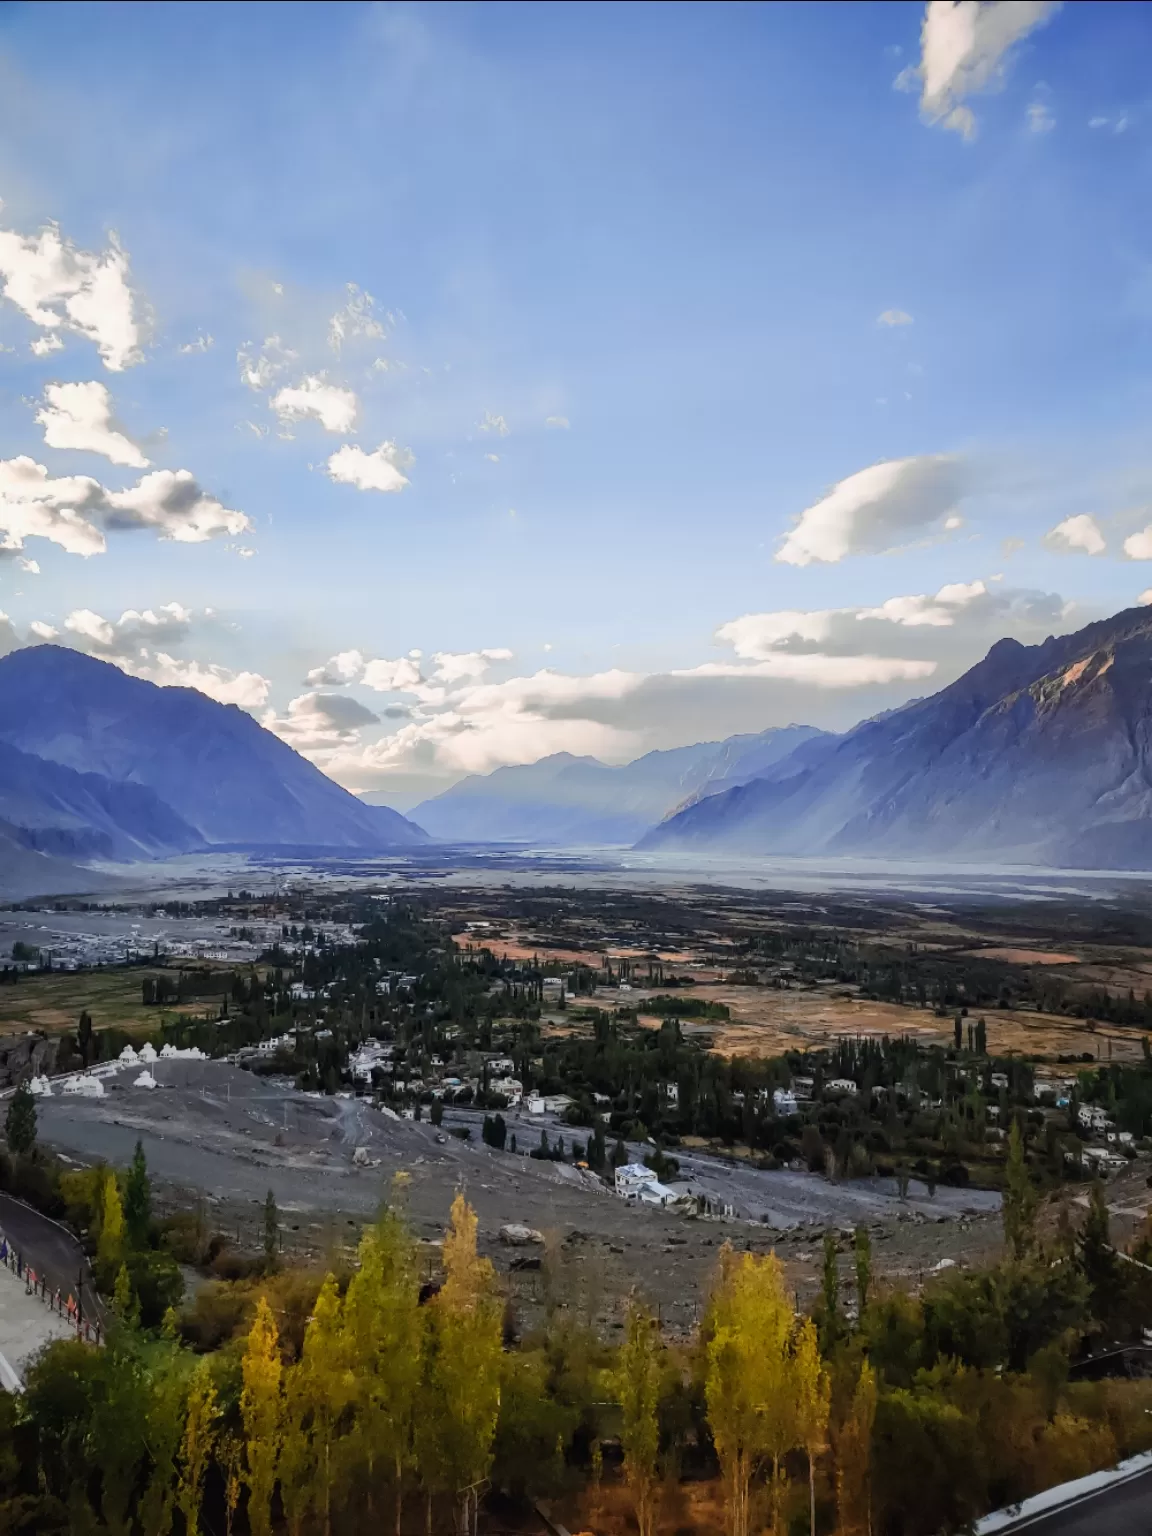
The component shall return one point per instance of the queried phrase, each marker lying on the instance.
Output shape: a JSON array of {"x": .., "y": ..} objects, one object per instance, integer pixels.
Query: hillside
[
  {"x": 189, "y": 770},
  {"x": 572, "y": 801},
  {"x": 1039, "y": 754}
]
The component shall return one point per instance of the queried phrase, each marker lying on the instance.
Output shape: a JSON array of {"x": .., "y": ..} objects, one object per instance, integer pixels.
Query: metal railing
[{"x": 65, "y": 1306}]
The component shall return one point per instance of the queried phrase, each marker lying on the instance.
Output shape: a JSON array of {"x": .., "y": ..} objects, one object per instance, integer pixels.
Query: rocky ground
[{"x": 213, "y": 1132}]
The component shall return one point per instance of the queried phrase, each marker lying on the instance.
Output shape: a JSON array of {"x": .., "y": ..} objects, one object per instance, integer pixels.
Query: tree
[
  {"x": 137, "y": 1200},
  {"x": 436, "y": 1114},
  {"x": 84, "y": 1038},
  {"x": 813, "y": 1399},
  {"x": 1019, "y": 1201},
  {"x": 981, "y": 1037},
  {"x": 456, "y": 1424},
  {"x": 262, "y": 1414},
  {"x": 863, "y": 1256},
  {"x": 124, "y": 1302},
  {"x": 638, "y": 1390},
  {"x": 197, "y": 1446},
  {"x": 854, "y": 1458},
  {"x": 958, "y": 1033},
  {"x": 619, "y": 1155},
  {"x": 384, "y": 1327},
  {"x": 271, "y": 1232},
  {"x": 320, "y": 1388},
  {"x": 748, "y": 1383},
  {"x": 165, "y": 1423},
  {"x": 20, "y": 1123},
  {"x": 830, "y": 1321},
  {"x": 110, "y": 1246},
  {"x": 231, "y": 1459}
]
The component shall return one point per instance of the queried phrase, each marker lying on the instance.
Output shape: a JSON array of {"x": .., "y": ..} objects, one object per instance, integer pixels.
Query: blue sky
[{"x": 634, "y": 289}]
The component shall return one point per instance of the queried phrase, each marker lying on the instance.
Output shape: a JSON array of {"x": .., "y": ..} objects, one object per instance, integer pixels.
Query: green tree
[
  {"x": 813, "y": 1401},
  {"x": 863, "y": 1260},
  {"x": 20, "y": 1122},
  {"x": 831, "y": 1323},
  {"x": 854, "y": 1458},
  {"x": 1018, "y": 1210},
  {"x": 84, "y": 1038},
  {"x": 271, "y": 1232},
  {"x": 637, "y": 1383},
  {"x": 137, "y": 1200}
]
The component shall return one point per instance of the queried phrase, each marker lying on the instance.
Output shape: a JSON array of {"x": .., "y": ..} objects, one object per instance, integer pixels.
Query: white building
[
  {"x": 839, "y": 1085},
  {"x": 784, "y": 1101},
  {"x": 634, "y": 1181}
]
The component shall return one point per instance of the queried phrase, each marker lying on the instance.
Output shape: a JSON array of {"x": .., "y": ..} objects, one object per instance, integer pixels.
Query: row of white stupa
[{"x": 89, "y": 1084}]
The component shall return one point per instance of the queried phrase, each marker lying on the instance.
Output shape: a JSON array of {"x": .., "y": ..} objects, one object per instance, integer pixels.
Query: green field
[{"x": 54, "y": 1001}]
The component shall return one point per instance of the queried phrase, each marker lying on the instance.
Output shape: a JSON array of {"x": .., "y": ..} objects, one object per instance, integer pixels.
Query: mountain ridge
[{"x": 1037, "y": 754}]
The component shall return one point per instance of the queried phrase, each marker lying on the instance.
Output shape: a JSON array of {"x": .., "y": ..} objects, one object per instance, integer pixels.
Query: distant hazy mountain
[
  {"x": 568, "y": 801},
  {"x": 1039, "y": 754},
  {"x": 220, "y": 777},
  {"x": 56, "y": 810}
]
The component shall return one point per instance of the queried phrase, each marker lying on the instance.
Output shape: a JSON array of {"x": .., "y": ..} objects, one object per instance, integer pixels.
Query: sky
[{"x": 453, "y": 385}]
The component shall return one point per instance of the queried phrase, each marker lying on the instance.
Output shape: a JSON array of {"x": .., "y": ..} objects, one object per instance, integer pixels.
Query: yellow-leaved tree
[
  {"x": 197, "y": 1446},
  {"x": 317, "y": 1396},
  {"x": 854, "y": 1458},
  {"x": 383, "y": 1334},
  {"x": 750, "y": 1387},
  {"x": 262, "y": 1414},
  {"x": 110, "y": 1245},
  {"x": 460, "y": 1392},
  {"x": 813, "y": 1400},
  {"x": 637, "y": 1384}
]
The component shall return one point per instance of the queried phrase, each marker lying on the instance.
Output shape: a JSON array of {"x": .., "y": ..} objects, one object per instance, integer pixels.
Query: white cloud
[
  {"x": 31, "y": 566},
  {"x": 318, "y": 720},
  {"x": 964, "y": 49},
  {"x": 939, "y": 612},
  {"x": 69, "y": 510},
  {"x": 346, "y": 667},
  {"x": 892, "y": 317},
  {"x": 356, "y": 318},
  {"x": 493, "y": 458},
  {"x": 44, "y": 346},
  {"x": 1082, "y": 533},
  {"x": 260, "y": 368},
  {"x": 495, "y": 424},
  {"x": 1040, "y": 117},
  {"x": 173, "y": 502},
  {"x": 874, "y": 509},
  {"x": 1138, "y": 546},
  {"x": 1145, "y": 597},
  {"x": 1116, "y": 124},
  {"x": 62, "y": 288},
  {"x": 168, "y": 624},
  {"x": 43, "y": 631},
  {"x": 333, "y": 407},
  {"x": 79, "y": 416},
  {"x": 380, "y": 470},
  {"x": 392, "y": 676},
  {"x": 203, "y": 343},
  {"x": 248, "y": 690},
  {"x": 560, "y": 422},
  {"x": 455, "y": 666}
]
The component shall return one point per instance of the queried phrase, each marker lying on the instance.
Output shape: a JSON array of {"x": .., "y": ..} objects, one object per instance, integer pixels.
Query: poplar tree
[
  {"x": 20, "y": 1122},
  {"x": 320, "y": 1389},
  {"x": 137, "y": 1200},
  {"x": 748, "y": 1386},
  {"x": 110, "y": 1246},
  {"x": 197, "y": 1446},
  {"x": 863, "y": 1261},
  {"x": 461, "y": 1398},
  {"x": 638, "y": 1390},
  {"x": 813, "y": 1399},
  {"x": 262, "y": 1412},
  {"x": 1019, "y": 1200},
  {"x": 854, "y": 1459},
  {"x": 383, "y": 1328}
]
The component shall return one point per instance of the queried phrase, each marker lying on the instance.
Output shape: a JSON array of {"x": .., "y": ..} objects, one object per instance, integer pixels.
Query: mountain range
[
  {"x": 579, "y": 801},
  {"x": 1039, "y": 754},
  {"x": 97, "y": 764}
]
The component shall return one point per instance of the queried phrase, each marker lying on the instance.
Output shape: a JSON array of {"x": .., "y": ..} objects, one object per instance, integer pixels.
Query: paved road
[
  {"x": 51, "y": 1250},
  {"x": 1122, "y": 1511},
  {"x": 26, "y": 1324}
]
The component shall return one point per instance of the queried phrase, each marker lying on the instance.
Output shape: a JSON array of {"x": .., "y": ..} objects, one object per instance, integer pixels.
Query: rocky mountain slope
[
  {"x": 137, "y": 770},
  {"x": 571, "y": 801},
  {"x": 1039, "y": 754}
]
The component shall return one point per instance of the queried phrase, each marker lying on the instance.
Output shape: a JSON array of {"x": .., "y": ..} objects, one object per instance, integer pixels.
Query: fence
[{"x": 36, "y": 1285}]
